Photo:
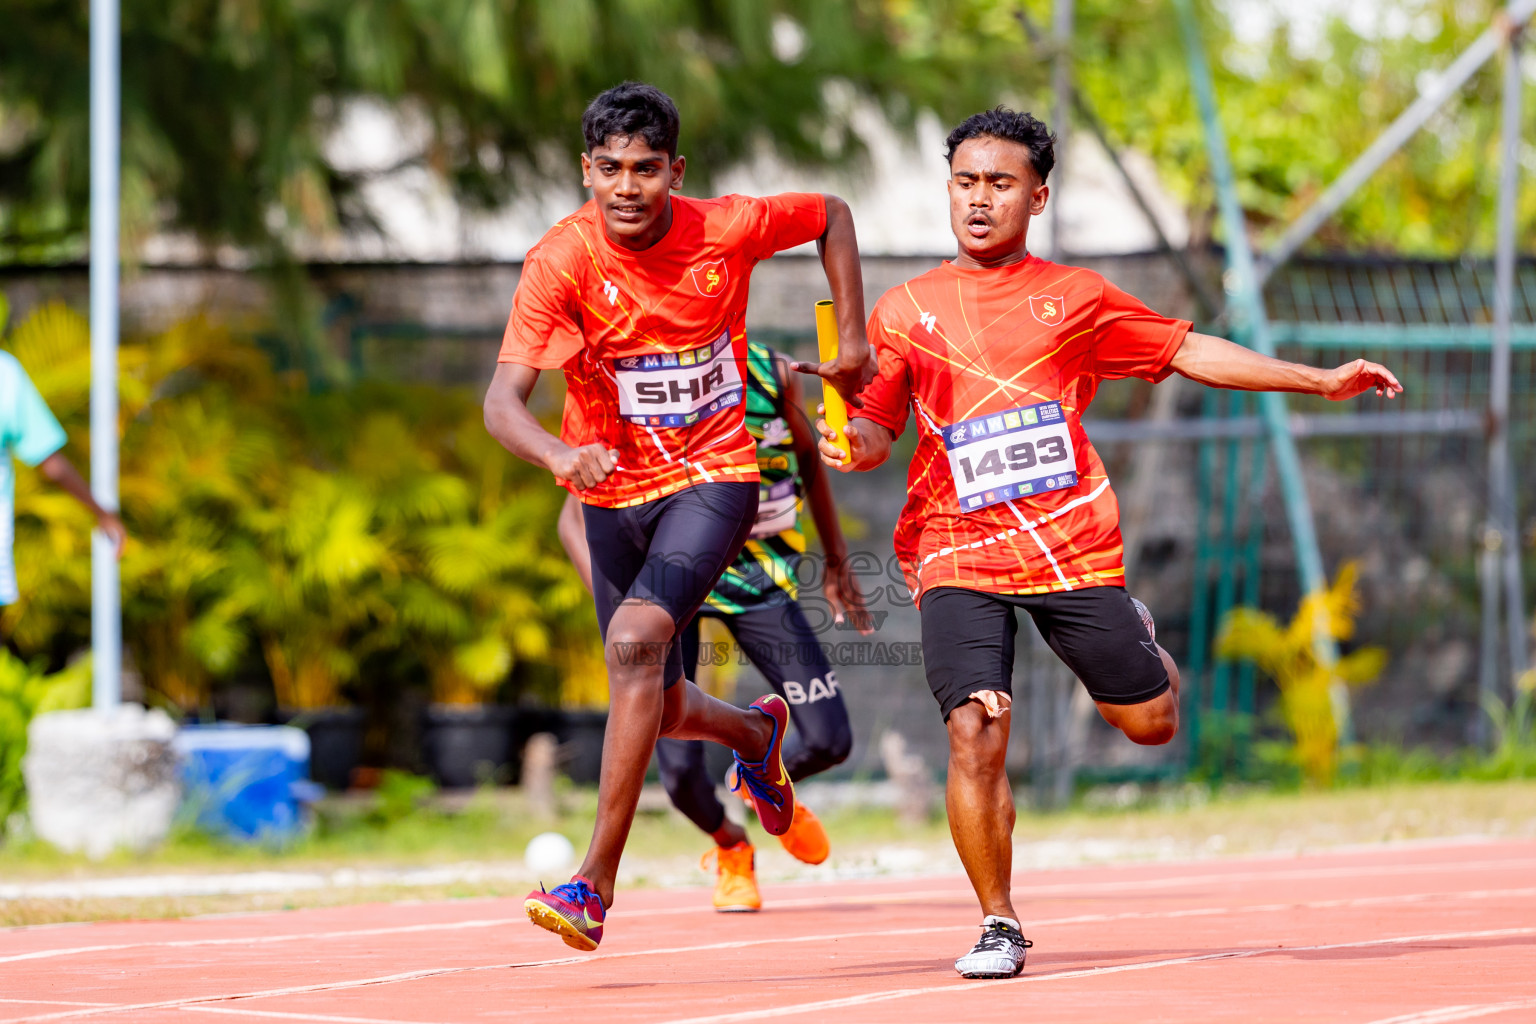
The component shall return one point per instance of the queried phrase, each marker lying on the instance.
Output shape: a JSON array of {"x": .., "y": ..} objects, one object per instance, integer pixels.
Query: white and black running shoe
[{"x": 998, "y": 954}]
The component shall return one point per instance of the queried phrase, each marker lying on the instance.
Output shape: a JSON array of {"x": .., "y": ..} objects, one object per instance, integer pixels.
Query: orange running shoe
[
  {"x": 806, "y": 839},
  {"x": 735, "y": 878}
]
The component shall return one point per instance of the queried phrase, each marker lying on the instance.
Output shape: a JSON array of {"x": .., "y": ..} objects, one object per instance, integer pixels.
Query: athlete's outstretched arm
[
  {"x": 839, "y": 586},
  {"x": 838, "y": 247},
  {"x": 519, "y": 431},
  {"x": 1223, "y": 364},
  {"x": 869, "y": 442},
  {"x": 62, "y": 472}
]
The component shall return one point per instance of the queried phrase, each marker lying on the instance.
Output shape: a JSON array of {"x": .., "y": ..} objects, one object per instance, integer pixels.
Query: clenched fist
[{"x": 583, "y": 467}]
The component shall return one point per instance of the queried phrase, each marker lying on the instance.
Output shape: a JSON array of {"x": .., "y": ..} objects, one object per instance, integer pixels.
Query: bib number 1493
[{"x": 1010, "y": 454}]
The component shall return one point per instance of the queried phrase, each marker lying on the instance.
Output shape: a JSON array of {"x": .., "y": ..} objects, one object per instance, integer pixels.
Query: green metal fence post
[{"x": 1248, "y": 307}]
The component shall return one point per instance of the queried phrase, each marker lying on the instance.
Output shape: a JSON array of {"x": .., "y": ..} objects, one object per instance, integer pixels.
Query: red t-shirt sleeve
[
  {"x": 784, "y": 221},
  {"x": 888, "y": 397},
  {"x": 543, "y": 330},
  {"x": 1129, "y": 340}
]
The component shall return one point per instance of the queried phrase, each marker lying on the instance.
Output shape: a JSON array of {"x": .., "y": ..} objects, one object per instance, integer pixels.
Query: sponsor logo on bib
[
  {"x": 679, "y": 389},
  {"x": 1048, "y": 309},
  {"x": 1010, "y": 454},
  {"x": 710, "y": 278}
]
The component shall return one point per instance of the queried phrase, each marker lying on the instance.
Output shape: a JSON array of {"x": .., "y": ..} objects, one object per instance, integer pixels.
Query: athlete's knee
[
  {"x": 826, "y": 748},
  {"x": 678, "y": 778},
  {"x": 1150, "y": 723},
  {"x": 638, "y": 644},
  {"x": 835, "y": 749},
  {"x": 978, "y": 743},
  {"x": 1155, "y": 733}
]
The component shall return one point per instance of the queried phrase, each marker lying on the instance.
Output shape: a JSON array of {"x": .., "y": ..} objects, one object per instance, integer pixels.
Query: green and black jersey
[{"x": 764, "y": 573}]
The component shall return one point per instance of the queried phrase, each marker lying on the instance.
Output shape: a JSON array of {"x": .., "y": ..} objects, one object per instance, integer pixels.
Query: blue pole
[{"x": 106, "y": 127}]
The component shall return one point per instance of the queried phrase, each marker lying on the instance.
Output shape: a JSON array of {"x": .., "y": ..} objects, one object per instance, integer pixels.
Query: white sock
[{"x": 995, "y": 919}]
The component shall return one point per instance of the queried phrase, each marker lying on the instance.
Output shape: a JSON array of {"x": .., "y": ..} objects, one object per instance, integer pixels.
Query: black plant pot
[
  {"x": 467, "y": 744},
  {"x": 335, "y": 742},
  {"x": 581, "y": 744},
  {"x": 527, "y": 722}
]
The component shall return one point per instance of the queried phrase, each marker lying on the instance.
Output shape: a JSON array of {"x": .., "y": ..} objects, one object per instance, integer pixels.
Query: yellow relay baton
[{"x": 826, "y": 346}]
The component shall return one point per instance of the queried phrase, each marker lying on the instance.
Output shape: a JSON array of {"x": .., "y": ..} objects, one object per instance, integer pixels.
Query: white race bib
[
  {"x": 1011, "y": 454},
  {"x": 777, "y": 509},
  {"x": 678, "y": 389}
]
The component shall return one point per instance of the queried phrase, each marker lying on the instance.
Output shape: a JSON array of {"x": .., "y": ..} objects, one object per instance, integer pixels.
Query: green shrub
[{"x": 295, "y": 533}]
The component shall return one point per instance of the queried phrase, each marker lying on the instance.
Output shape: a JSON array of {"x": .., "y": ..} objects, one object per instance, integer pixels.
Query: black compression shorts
[
  {"x": 668, "y": 552},
  {"x": 968, "y": 643}
]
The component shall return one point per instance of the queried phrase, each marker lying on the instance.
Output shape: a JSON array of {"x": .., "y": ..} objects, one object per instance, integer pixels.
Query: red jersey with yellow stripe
[
  {"x": 1005, "y": 494},
  {"x": 653, "y": 343}
]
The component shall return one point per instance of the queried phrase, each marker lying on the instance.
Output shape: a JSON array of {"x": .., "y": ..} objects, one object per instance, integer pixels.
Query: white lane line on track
[
  {"x": 1019, "y": 892},
  {"x": 800, "y": 1009},
  {"x": 259, "y": 940},
  {"x": 741, "y": 944},
  {"x": 295, "y": 990},
  {"x": 247, "y": 883},
  {"x": 1447, "y": 1014},
  {"x": 295, "y": 1016}
]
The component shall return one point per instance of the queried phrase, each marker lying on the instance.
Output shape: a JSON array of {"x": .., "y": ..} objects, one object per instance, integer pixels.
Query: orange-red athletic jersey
[
  {"x": 653, "y": 343},
  {"x": 1005, "y": 494}
]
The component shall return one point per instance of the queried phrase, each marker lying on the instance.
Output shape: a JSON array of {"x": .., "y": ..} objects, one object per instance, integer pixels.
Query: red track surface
[{"x": 1407, "y": 935}]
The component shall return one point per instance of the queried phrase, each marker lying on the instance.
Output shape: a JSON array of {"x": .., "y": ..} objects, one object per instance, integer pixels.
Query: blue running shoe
[{"x": 572, "y": 911}]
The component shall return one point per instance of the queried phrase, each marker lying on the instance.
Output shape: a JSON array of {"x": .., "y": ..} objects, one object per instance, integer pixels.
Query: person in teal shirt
[{"x": 29, "y": 432}]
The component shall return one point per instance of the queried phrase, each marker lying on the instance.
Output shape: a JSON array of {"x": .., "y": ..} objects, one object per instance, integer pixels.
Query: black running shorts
[
  {"x": 668, "y": 552},
  {"x": 968, "y": 643}
]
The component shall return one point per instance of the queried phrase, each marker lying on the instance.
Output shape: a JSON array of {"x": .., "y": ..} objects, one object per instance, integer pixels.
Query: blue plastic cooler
[{"x": 246, "y": 782}]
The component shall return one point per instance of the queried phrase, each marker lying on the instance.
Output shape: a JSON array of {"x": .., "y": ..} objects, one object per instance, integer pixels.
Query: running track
[{"x": 1406, "y": 935}]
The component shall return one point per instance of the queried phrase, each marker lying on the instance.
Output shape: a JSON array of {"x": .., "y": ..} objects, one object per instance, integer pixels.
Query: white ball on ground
[{"x": 549, "y": 851}]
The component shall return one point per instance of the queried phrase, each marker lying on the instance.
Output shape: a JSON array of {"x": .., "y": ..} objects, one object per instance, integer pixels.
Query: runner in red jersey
[
  {"x": 995, "y": 356},
  {"x": 640, "y": 299},
  {"x": 653, "y": 342}
]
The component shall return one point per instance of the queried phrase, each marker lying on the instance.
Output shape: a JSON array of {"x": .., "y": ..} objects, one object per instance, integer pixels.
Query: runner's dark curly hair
[
  {"x": 630, "y": 109},
  {"x": 1002, "y": 123}
]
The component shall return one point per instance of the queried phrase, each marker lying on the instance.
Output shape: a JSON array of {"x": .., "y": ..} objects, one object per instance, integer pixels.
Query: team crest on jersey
[
  {"x": 710, "y": 278},
  {"x": 1048, "y": 309}
]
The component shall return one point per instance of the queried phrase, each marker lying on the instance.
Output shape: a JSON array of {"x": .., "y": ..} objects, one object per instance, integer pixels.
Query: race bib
[
  {"x": 777, "y": 509},
  {"x": 678, "y": 389},
  {"x": 1010, "y": 454}
]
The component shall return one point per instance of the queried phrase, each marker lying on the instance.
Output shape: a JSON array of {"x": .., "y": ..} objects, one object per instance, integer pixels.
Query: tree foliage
[
  {"x": 1297, "y": 112},
  {"x": 230, "y": 107},
  {"x": 228, "y": 104}
]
